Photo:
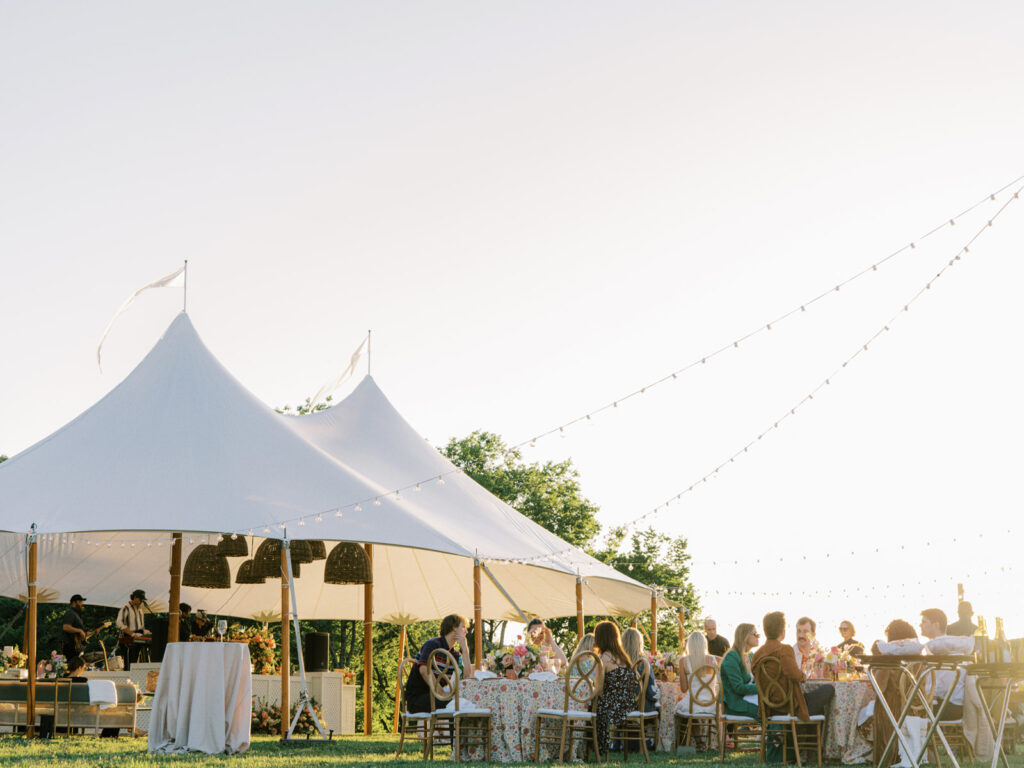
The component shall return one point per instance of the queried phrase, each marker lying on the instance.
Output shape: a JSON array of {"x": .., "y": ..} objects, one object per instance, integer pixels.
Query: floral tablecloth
[
  {"x": 513, "y": 705},
  {"x": 843, "y": 741},
  {"x": 669, "y": 695}
]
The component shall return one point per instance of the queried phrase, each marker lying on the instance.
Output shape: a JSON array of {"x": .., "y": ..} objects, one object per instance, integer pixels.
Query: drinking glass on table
[{"x": 222, "y": 627}]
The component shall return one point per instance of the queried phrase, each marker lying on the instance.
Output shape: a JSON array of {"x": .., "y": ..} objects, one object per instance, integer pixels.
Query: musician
[
  {"x": 73, "y": 634},
  {"x": 132, "y": 625},
  {"x": 184, "y": 622},
  {"x": 201, "y": 626}
]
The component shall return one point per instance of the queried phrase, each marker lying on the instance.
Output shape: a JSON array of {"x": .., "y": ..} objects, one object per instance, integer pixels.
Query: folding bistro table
[
  {"x": 993, "y": 677},
  {"x": 920, "y": 689}
]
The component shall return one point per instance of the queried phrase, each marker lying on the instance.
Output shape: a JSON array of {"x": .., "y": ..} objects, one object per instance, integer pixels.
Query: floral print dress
[{"x": 616, "y": 701}]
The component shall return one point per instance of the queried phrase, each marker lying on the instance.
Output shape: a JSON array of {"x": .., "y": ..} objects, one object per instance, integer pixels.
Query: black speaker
[
  {"x": 317, "y": 649},
  {"x": 158, "y": 626}
]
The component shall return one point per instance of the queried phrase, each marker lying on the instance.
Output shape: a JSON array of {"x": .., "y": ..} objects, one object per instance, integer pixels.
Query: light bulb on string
[{"x": 358, "y": 508}]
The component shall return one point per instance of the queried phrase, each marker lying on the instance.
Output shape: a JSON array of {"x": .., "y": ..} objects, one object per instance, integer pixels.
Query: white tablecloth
[{"x": 203, "y": 700}]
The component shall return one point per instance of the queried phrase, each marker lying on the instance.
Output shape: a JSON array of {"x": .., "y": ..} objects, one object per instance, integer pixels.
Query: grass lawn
[{"x": 268, "y": 752}]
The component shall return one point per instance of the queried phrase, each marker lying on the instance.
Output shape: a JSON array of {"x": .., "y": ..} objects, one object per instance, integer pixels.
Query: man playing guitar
[
  {"x": 131, "y": 623},
  {"x": 73, "y": 633}
]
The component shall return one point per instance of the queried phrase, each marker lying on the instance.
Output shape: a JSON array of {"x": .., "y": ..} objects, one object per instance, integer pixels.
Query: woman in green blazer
[{"x": 737, "y": 680}]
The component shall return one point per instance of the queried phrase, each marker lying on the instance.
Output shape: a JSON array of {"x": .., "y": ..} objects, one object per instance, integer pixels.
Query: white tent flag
[
  {"x": 336, "y": 382},
  {"x": 174, "y": 280}
]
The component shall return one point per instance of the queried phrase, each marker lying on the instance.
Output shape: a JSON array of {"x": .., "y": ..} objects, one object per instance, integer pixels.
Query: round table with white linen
[{"x": 203, "y": 700}]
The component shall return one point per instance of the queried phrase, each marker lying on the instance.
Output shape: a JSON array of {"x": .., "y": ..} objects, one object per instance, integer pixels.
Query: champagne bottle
[
  {"x": 1002, "y": 645},
  {"x": 981, "y": 642}
]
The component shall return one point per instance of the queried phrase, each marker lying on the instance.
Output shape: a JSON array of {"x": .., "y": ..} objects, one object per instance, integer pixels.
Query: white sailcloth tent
[{"x": 181, "y": 445}]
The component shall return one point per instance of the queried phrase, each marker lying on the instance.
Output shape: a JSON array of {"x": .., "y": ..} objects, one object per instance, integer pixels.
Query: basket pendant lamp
[
  {"x": 348, "y": 564},
  {"x": 206, "y": 567}
]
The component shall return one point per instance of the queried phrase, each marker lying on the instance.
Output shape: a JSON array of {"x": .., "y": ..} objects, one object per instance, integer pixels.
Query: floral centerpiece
[
  {"x": 348, "y": 677},
  {"x": 266, "y": 718},
  {"x": 839, "y": 661},
  {"x": 665, "y": 665},
  {"x": 53, "y": 667},
  {"x": 12, "y": 658},
  {"x": 263, "y": 650},
  {"x": 514, "y": 661}
]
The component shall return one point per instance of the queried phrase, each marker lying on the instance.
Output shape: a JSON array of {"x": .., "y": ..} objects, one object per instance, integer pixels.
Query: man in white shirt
[
  {"x": 933, "y": 626},
  {"x": 805, "y": 646},
  {"x": 132, "y": 624}
]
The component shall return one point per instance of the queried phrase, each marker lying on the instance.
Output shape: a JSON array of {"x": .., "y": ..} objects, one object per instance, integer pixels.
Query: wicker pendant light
[
  {"x": 348, "y": 564},
  {"x": 206, "y": 567},
  {"x": 301, "y": 552},
  {"x": 267, "y": 560},
  {"x": 247, "y": 574},
  {"x": 317, "y": 549},
  {"x": 235, "y": 547}
]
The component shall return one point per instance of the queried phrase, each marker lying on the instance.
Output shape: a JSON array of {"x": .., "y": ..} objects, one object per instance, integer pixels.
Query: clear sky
[{"x": 540, "y": 207}]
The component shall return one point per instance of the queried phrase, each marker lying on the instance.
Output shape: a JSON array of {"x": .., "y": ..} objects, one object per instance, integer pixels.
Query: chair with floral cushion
[
  {"x": 777, "y": 704},
  {"x": 575, "y": 721},
  {"x": 459, "y": 724}
]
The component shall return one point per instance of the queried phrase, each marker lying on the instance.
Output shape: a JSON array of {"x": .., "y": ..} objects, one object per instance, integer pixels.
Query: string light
[
  {"x": 767, "y": 326},
  {"x": 825, "y": 382}
]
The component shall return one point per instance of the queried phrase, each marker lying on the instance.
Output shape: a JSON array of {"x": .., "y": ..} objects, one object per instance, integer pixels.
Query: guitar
[{"x": 80, "y": 641}]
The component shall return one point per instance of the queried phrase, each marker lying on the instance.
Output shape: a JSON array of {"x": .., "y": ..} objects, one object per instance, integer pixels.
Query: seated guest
[
  {"x": 805, "y": 646},
  {"x": 586, "y": 644},
  {"x": 618, "y": 695},
  {"x": 739, "y": 692},
  {"x": 849, "y": 643},
  {"x": 451, "y": 639},
  {"x": 202, "y": 625},
  {"x": 900, "y": 640},
  {"x": 933, "y": 626},
  {"x": 813, "y": 702},
  {"x": 694, "y": 683},
  {"x": 717, "y": 645},
  {"x": 541, "y": 636},
  {"x": 184, "y": 622},
  {"x": 963, "y": 627},
  {"x": 75, "y": 673},
  {"x": 633, "y": 645}
]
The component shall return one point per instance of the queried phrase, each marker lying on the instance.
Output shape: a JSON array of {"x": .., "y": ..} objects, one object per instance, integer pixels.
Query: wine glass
[{"x": 222, "y": 627}]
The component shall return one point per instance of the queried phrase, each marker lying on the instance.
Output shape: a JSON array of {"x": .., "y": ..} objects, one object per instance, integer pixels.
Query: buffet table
[{"x": 203, "y": 700}]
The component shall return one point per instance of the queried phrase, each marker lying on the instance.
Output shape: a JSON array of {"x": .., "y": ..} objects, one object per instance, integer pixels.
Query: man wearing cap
[
  {"x": 73, "y": 632},
  {"x": 132, "y": 625}
]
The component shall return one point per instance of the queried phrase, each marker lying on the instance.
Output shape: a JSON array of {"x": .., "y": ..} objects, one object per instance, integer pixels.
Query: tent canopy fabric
[{"x": 181, "y": 445}]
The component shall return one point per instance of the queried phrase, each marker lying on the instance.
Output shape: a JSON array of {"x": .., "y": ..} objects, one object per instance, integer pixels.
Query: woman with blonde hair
[
  {"x": 618, "y": 696},
  {"x": 696, "y": 682},
  {"x": 633, "y": 643},
  {"x": 739, "y": 693},
  {"x": 586, "y": 644}
]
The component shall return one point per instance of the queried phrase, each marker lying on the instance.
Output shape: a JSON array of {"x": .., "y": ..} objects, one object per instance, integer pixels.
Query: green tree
[{"x": 652, "y": 557}]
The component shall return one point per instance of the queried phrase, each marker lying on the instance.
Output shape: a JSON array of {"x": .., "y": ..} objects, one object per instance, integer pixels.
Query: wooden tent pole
[
  {"x": 174, "y": 609},
  {"x": 286, "y": 651},
  {"x": 654, "y": 621},
  {"x": 368, "y": 649},
  {"x": 30, "y": 700},
  {"x": 579, "y": 609},
  {"x": 478, "y": 624},
  {"x": 682, "y": 630},
  {"x": 398, "y": 680}
]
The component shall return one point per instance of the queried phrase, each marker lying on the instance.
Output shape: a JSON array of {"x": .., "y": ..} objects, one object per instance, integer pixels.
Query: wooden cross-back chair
[
  {"x": 457, "y": 723},
  {"x": 703, "y": 692},
  {"x": 415, "y": 726},
  {"x": 575, "y": 721},
  {"x": 952, "y": 730},
  {"x": 777, "y": 704},
  {"x": 639, "y": 724}
]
